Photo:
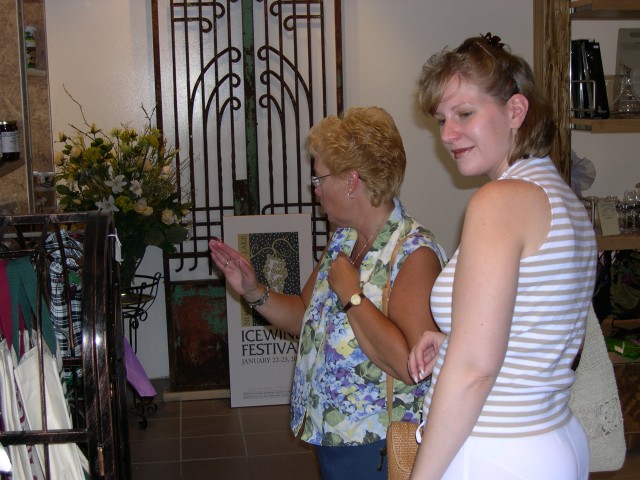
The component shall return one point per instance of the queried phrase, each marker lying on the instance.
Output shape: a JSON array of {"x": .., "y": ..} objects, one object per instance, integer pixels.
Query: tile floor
[{"x": 207, "y": 439}]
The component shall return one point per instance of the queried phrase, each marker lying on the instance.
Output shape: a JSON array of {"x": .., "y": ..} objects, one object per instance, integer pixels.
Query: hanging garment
[
  {"x": 5, "y": 463},
  {"x": 25, "y": 463},
  {"x": 66, "y": 306},
  {"x": 23, "y": 289},
  {"x": 66, "y": 461}
]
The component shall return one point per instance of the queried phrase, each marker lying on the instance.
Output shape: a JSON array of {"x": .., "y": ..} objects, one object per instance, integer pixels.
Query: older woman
[{"x": 348, "y": 347}]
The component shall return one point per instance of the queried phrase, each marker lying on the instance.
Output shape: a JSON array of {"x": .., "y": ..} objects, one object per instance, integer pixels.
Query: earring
[{"x": 352, "y": 194}]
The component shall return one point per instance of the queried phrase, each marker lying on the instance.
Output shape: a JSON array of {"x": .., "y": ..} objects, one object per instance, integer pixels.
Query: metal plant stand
[{"x": 136, "y": 301}]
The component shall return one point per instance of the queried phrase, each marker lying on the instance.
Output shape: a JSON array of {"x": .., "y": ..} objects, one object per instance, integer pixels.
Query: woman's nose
[{"x": 448, "y": 132}]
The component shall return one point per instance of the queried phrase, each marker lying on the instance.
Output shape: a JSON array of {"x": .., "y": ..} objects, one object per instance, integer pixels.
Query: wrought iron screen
[{"x": 238, "y": 85}]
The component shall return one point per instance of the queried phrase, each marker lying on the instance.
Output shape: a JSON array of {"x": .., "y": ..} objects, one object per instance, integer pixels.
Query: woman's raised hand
[
  {"x": 237, "y": 270},
  {"x": 343, "y": 278},
  {"x": 423, "y": 355}
]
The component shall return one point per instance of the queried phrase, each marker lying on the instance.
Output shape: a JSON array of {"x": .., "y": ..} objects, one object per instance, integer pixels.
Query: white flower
[
  {"x": 168, "y": 217},
  {"x": 117, "y": 184},
  {"x": 108, "y": 204},
  {"x": 136, "y": 188}
]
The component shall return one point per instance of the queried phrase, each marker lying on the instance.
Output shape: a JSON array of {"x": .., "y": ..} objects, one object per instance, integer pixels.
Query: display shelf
[
  {"x": 34, "y": 72},
  {"x": 624, "y": 241},
  {"x": 604, "y": 9},
  {"x": 7, "y": 167},
  {"x": 610, "y": 125}
]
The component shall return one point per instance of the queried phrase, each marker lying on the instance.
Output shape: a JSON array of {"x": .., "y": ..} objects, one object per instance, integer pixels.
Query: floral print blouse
[{"x": 339, "y": 395}]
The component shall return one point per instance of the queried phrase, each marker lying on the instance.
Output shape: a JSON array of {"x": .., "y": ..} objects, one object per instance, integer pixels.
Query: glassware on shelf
[
  {"x": 627, "y": 103},
  {"x": 631, "y": 208}
]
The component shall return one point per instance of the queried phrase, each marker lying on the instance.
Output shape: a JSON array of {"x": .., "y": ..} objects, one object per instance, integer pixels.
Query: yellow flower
[
  {"x": 75, "y": 152},
  {"x": 168, "y": 218},
  {"x": 58, "y": 159},
  {"x": 123, "y": 203},
  {"x": 62, "y": 137}
]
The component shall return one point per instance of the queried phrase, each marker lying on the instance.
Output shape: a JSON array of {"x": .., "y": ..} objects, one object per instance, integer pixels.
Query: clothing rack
[{"x": 90, "y": 344}]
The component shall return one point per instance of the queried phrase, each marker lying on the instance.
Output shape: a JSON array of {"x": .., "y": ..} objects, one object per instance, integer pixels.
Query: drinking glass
[
  {"x": 627, "y": 102},
  {"x": 631, "y": 207}
]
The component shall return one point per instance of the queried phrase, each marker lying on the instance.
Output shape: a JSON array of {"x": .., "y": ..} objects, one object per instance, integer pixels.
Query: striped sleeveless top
[{"x": 554, "y": 292}]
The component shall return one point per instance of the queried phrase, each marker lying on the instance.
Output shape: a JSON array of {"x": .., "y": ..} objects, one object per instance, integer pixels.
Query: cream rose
[{"x": 168, "y": 218}]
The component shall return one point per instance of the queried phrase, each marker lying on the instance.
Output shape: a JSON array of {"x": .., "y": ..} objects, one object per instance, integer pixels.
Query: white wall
[{"x": 102, "y": 52}]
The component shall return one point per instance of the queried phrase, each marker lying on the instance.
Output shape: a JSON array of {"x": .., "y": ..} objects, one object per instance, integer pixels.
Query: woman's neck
[{"x": 372, "y": 224}]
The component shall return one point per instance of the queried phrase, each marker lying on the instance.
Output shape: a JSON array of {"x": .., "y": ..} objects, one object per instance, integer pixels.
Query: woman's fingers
[
  {"x": 423, "y": 355},
  {"x": 237, "y": 270}
]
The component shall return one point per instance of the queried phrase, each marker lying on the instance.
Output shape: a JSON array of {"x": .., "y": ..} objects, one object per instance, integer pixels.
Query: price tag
[{"x": 608, "y": 217}]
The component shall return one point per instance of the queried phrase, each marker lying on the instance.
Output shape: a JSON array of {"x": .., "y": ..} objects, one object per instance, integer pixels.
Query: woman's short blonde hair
[{"x": 364, "y": 139}]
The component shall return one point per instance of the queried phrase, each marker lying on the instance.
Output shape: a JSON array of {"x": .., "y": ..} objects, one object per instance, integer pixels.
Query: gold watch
[{"x": 354, "y": 301}]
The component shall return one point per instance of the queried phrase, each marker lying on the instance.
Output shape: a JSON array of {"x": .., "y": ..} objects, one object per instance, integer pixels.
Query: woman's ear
[
  {"x": 352, "y": 179},
  {"x": 518, "y": 105}
]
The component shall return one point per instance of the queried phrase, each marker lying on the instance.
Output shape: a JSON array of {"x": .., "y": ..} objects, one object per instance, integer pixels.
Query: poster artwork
[
  {"x": 275, "y": 259},
  {"x": 261, "y": 356}
]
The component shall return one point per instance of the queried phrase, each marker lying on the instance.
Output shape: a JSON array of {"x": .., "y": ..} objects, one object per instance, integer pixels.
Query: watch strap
[{"x": 349, "y": 304}]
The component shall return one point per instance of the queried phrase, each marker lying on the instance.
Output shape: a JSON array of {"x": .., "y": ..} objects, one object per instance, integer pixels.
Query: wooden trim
[
  {"x": 552, "y": 41},
  {"x": 195, "y": 395}
]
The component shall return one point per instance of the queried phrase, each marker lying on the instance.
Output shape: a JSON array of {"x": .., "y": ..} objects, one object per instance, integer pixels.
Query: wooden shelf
[
  {"x": 34, "y": 72},
  {"x": 609, "y": 125},
  {"x": 8, "y": 167},
  {"x": 625, "y": 241},
  {"x": 604, "y": 9}
]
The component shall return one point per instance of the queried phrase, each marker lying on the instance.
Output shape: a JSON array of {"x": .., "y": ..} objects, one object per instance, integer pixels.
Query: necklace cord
[{"x": 375, "y": 233}]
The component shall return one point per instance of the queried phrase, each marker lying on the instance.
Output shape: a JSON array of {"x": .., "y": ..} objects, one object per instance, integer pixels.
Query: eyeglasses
[{"x": 315, "y": 181}]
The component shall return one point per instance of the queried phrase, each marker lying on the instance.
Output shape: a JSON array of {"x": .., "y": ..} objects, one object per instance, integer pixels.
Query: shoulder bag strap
[{"x": 386, "y": 291}]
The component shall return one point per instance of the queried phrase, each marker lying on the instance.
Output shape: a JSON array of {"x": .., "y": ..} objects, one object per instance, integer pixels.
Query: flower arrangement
[{"x": 130, "y": 173}]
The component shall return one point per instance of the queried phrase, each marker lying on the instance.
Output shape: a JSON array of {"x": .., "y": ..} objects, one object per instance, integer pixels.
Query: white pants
[{"x": 559, "y": 455}]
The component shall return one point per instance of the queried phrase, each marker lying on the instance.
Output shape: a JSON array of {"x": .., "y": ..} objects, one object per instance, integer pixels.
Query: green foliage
[{"x": 131, "y": 173}]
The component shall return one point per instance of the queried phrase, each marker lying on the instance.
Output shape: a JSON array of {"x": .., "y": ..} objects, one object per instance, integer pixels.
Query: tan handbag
[{"x": 402, "y": 445}]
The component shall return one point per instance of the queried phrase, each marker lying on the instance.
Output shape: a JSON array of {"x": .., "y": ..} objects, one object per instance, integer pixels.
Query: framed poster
[{"x": 262, "y": 357}]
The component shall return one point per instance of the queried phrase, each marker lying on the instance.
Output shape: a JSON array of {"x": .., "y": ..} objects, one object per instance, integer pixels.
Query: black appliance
[{"x": 588, "y": 89}]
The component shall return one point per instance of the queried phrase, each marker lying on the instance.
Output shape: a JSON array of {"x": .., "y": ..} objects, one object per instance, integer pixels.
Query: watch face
[{"x": 356, "y": 299}]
